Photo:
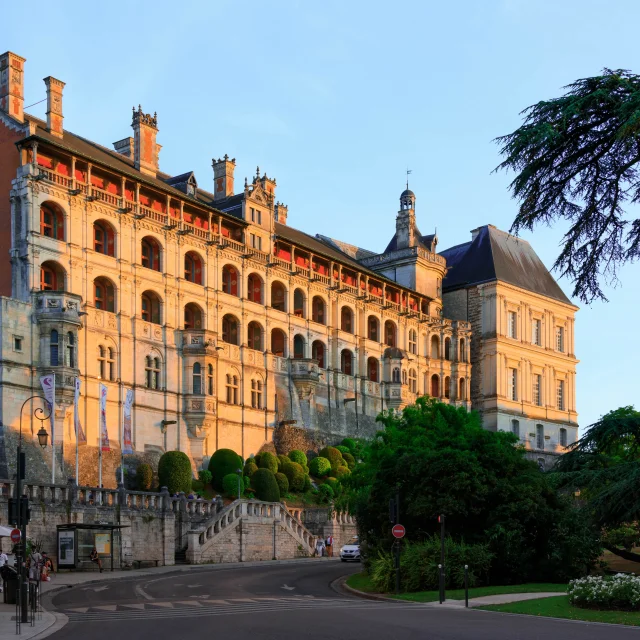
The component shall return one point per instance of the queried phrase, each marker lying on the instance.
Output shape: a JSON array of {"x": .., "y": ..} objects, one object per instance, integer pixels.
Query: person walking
[
  {"x": 319, "y": 548},
  {"x": 329, "y": 545}
]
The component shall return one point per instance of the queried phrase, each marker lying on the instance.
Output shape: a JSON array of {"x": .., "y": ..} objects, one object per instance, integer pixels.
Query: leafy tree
[{"x": 577, "y": 160}]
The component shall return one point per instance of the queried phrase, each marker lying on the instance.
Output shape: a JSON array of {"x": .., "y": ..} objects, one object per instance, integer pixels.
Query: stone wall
[{"x": 323, "y": 522}]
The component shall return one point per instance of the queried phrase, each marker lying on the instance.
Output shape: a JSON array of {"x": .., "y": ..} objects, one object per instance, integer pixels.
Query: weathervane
[{"x": 408, "y": 172}]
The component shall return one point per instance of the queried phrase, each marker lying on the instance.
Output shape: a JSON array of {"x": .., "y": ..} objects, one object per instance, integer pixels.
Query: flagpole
[
  {"x": 122, "y": 440},
  {"x": 76, "y": 419},
  {"x": 99, "y": 442},
  {"x": 53, "y": 434}
]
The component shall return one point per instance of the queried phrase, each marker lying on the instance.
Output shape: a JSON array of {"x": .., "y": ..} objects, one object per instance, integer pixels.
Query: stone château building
[{"x": 223, "y": 319}]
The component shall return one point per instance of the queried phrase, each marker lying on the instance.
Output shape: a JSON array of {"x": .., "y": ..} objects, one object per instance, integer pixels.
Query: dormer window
[{"x": 191, "y": 189}]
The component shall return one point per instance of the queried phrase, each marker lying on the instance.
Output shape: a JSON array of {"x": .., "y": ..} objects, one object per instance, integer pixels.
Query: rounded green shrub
[
  {"x": 204, "y": 475},
  {"x": 342, "y": 449},
  {"x": 282, "y": 460},
  {"x": 256, "y": 459},
  {"x": 349, "y": 459},
  {"x": 333, "y": 456},
  {"x": 250, "y": 467},
  {"x": 196, "y": 486},
  {"x": 222, "y": 463},
  {"x": 246, "y": 481},
  {"x": 144, "y": 477},
  {"x": 325, "y": 493},
  {"x": 230, "y": 485},
  {"x": 283, "y": 483},
  {"x": 319, "y": 467},
  {"x": 350, "y": 443},
  {"x": 174, "y": 471},
  {"x": 295, "y": 474},
  {"x": 266, "y": 486},
  {"x": 295, "y": 455},
  {"x": 269, "y": 461},
  {"x": 307, "y": 483},
  {"x": 342, "y": 472},
  {"x": 334, "y": 483}
]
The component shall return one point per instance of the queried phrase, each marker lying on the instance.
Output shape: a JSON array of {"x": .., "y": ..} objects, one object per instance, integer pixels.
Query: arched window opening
[
  {"x": 150, "y": 253},
  {"x": 515, "y": 428},
  {"x": 193, "y": 267},
  {"x": 256, "y": 394},
  {"x": 230, "y": 329},
  {"x": 298, "y": 304},
  {"x": 413, "y": 341},
  {"x": 413, "y": 381},
  {"x": 395, "y": 374},
  {"x": 463, "y": 351},
  {"x": 278, "y": 296},
  {"x": 51, "y": 277},
  {"x": 104, "y": 295},
  {"x": 232, "y": 389},
  {"x": 318, "y": 310},
  {"x": 298, "y": 347},
  {"x": 278, "y": 343},
  {"x": 373, "y": 370},
  {"x": 51, "y": 221},
  {"x": 390, "y": 333},
  {"x": 317, "y": 352},
  {"x": 539, "y": 436},
  {"x": 346, "y": 319},
  {"x": 197, "y": 379},
  {"x": 254, "y": 336},
  {"x": 447, "y": 387},
  {"x": 447, "y": 348},
  {"x": 346, "y": 362},
  {"x": 254, "y": 288},
  {"x": 230, "y": 280},
  {"x": 150, "y": 307},
  {"x": 192, "y": 316},
  {"x": 463, "y": 389},
  {"x": 435, "y": 347},
  {"x": 70, "y": 359},
  {"x": 373, "y": 329},
  {"x": 435, "y": 386},
  {"x": 152, "y": 372},
  {"x": 104, "y": 238},
  {"x": 53, "y": 348}
]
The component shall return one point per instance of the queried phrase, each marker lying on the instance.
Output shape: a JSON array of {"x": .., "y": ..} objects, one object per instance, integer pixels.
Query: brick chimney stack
[
  {"x": 12, "y": 85},
  {"x": 145, "y": 148},
  {"x": 54, "y": 106},
  {"x": 281, "y": 211},
  {"x": 223, "y": 177}
]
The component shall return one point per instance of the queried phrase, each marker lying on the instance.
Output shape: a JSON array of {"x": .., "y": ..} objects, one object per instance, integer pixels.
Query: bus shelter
[{"x": 75, "y": 542}]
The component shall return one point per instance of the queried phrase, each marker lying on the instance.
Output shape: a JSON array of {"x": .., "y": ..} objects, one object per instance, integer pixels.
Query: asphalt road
[{"x": 283, "y": 601}]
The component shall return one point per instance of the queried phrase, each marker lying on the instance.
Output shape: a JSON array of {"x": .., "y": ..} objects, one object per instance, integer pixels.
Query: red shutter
[
  {"x": 110, "y": 243},
  {"x": 59, "y": 226},
  {"x": 198, "y": 271}
]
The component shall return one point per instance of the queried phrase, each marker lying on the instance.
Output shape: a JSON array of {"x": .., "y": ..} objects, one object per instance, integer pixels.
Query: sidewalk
[
  {"x": 44, "y": 625},
  {"x": 499, "y": 599}
]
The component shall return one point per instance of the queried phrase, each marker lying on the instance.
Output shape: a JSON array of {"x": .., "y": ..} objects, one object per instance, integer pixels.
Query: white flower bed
[{"x": 611, "y": 592}]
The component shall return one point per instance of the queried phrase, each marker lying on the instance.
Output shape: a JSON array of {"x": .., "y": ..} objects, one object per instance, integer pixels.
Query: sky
[{"x": 336, "y": 100}]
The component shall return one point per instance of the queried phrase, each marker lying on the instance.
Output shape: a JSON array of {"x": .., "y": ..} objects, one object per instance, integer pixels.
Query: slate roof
[
  {"x": 426, "y": 241},
  {"x": 497, "y": 255}
]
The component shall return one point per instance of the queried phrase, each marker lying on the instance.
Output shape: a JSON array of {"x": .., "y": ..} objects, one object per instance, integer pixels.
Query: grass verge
[{"x": 559, "y": 607}]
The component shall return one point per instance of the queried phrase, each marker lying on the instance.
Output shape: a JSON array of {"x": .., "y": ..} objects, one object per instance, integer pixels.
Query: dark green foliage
[
  {"x": 204, "y": 475},
  {"x": 222, "y": 463},
  {"x": 342, "y": 449},
  {"x": 295, "y": 455},
  {"x": 144, "y": 477},
  {"x": 576, "y": 159},
  {"x": 325, "y": 493},
  {"x": 295, "y": 474},
  {"x": 445, "y": 462},
  {"x": 342, "y": 472},
  {"x": 350, "y": 443},
  {"x": 333, "y": 456},
  {"x": 230, "y": 485},
  {"x": 256, "y": 459},
  {"x": 196, "y": 486},
  {"x": 319, "y": 467},
  {"x": 250, "y": 468},
  {"x": 334, "y": 484},
  {"x": 266, "y": 486},
  {"x": 282, "y": 459},
  {"x": 283, "y": 483},
  {"x": 174, "y": 472},
  {"x": 307, "y": 483},
  {"x": 349, "y": 459},
  {"x": 269, "y": 461}
]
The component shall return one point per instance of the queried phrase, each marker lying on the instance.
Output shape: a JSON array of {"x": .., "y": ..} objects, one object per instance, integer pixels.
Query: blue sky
[{"x": 336, "y": 99}]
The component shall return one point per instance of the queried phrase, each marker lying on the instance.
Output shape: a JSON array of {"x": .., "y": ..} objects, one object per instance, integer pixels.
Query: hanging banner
[
  {"x": 127, "y": 446},
  {"x": 49, "y": 388},
  {"x": 81, "y": 438},
  {"x": 104, "y": 434}
]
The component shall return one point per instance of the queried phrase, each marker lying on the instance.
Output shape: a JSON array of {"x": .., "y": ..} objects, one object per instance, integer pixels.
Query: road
[{"x": 283, "y": 601}]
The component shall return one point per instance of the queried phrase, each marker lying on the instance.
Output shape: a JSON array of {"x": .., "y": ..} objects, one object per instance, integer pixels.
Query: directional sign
[
  {"x": 15, "y": 536},
  {"x": 398, "y": 531}
]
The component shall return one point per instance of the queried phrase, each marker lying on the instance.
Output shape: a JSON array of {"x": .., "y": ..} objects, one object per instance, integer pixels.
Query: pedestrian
[
  {"x": 94, "y": 557},
  {"x": 329, "y": 545},
  {"x": 4, "y": 559},
  {"x": 35, "y": 566},
  {"x": 319, "y": 547},
  {"x": 48, "y": 563}
]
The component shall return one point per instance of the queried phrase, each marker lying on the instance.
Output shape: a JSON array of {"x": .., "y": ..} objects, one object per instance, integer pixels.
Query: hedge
[
  {"x": 349, "y": 459},
  {"x": 283, "y": 483},
  {"x": 333, "y": 456},
  {"x": 295, "y": 455},
  {"x": 295, "y": 474},
  {"x": 319, "y": 467},
  {"x": 350, "y": 443},
  {"x": 204, "y": 475},
  {"x": 230, "y": 485},
  {"x": 222, "y": 463},
  {"x": 250, "y": 468},
  {"x": 341, "y": 472},
  {"x": 266, "y": 486},
  {"x": 269, "y": 461},
  {"x": 334, "y": 484},
  {"x": 174, "y": 472},
  {"x": 342, "y": 449},
  {"x": 325, "y": 492},
  {"x": 144, "y": 477},
  {"x": 282, "y": 460}
]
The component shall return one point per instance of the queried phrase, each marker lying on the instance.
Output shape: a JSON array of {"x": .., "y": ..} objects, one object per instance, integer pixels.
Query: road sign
[
  {"x": 398, "y": 531},
  {"x": 15, "y": 536}
]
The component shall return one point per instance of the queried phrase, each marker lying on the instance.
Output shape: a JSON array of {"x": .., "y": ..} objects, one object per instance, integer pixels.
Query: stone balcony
[
  {"x": 58, "y": 306},
  {"x": 198, "y": 341},
  {"x": 305, "y": 375}
]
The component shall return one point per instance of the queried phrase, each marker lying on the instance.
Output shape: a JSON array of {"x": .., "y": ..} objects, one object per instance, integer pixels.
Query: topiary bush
[
  {"x": 342, "y": 472},
  {"x": 325, "y": 493},
  {"x": 269, "y": 461},
  {"x": 295, "y": 474},
  {"x": 307, "y": 483},
  {"x": 266, "y": 486},
  {"x": 282, "y": 459},
  {"x": 144, "y": 477},
  {"x": 204, "y": 475},
  {"x": 256, "y": 459},
  {"x": 295, "y": 455},
  {"x": 222, "y": 463},
  {"x": 196, "y": 486},
  {"x": 283, "y": 483},
  {"x": 349, "y": 459},
  {"x": 333, "y": 456},
  {"x": 334, "y": 483},
  {"x": 350, "y": 443},
  {"x": 342, "y": 449},
  {"x": 250, "y": 467},
  {"x": 230, "y": 485},
  {"x": 319, "y": 467},
  {"x": 174, "y": 471}
]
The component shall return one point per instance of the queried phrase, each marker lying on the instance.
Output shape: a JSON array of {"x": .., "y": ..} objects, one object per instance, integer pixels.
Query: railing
[
  {"x": 321, "y": 278},
  {"x": 282, "y": 263},
  {"x": 105, "y": 196},
  {"x": 198, "y": 232},
  {"x": 152, "y": 214},
  {"x": 233, "y": 244},
  {"x": 56, "y": 178}
]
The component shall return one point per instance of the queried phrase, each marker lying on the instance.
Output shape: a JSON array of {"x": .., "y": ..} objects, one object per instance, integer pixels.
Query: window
[
  {"x": 51, "y": 277},
  {"x": 413, "y": 341},
  {"x": 560, "y": 339},
  {"x": 152, "y": 372},
  {"x": 536, "y": 332},
  {"x": 278, "y": 343},
  {"x": 539, "y": 436},
  {"x": 256, "y": 394},
  {"x": 447, "y": 348},
  {"x": 346, "y": 319},
  {"x": 346, "y": 362},
  {"x": 373, "y": 329},
  {"x": 537, "y": 386},
  {"x": 53, "y": 348},
  {"x": 560, "y": 395},
  {"x": 254, "y": 336},
  {"x": 254, "y": 288},
  {"x": 515, "y": 428},
  {"x": 104, "y": 295},
  {"x": 413, "y": 381},
  {"x": 106, "y": 363},
  {"x": 192, "y": 316},
  {"x": 390, "y": 333},
  {"x": 197, "y": 379},
  {"x": 255, "y": 215},
  {"x": 193, "y": 267},
  {"x": 512, "y": 328},
  {"x": 150, "y": 254},
  {"x": 435, "y": 386},
  {"x": 51, "y": 221},
  {"x": 70, "y": 359},
  {"x": 563, "y": 437},
  {"x": 395, "y": 375},
  {"x": 463, "y": 389},
  {"x": 255, "y": 241},
  {"x": 298, "y": 304},
  {"x": 317, "y": 310},
  {"x": 317, "y": 353},
  {"x": 230, "y": 280},
  {"x": 278, "y": 297},
  {"x": 447, "y": 387},
  {"x": 210, "y": 379},
  {"x": 513, "y": 384},
  {"x": 232, "y": 389},
  {"x": 373, "y": 370},
  {"x": 435, "y": 347},
  {"x": 229, "y": 329},
  {"x": 17, "y": 343},
  {"x": 463, "y": 351},
  {"x": 150, "y": 307},
  {"x": 298, "y": 347},
  {"x": 404, "y": 377},
  {"x": 103, "y": 238}
]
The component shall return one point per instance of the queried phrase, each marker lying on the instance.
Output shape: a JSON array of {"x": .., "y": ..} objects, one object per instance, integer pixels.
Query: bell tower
[{"x": 406, "y": 221}]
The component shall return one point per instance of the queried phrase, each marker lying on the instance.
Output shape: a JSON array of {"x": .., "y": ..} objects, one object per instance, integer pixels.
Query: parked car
[{"x": 351, "y": 551}]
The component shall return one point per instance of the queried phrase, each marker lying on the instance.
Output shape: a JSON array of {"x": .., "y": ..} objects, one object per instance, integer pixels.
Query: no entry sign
[
  {"x": 398, "y": 531},
  {"x": 15, "y": 536}
]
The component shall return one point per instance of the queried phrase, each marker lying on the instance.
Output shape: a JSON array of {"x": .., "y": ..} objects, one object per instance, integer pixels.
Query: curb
[
  {"x": 341, "y": 585},
  {"x": 59, "y": 621}
]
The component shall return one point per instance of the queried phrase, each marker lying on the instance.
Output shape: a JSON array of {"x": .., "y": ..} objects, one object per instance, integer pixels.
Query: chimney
[
  {"x": 145, "y": 148},
  {"x": 124, "y": 147},
  {"x": 281, "y": 211},
  {"x": 54, "y": 106},
  {"x": 475, "y": 233},
  {"x": 12, "y": 85},
  {"x": 223, "y": 177}
]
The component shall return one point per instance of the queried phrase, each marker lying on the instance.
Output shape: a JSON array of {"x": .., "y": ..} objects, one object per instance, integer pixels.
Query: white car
[{"x": 351, "y": 551}]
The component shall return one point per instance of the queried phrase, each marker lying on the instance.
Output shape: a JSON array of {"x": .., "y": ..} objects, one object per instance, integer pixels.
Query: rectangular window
[
  {"x": 513, "y": 384},
  {"x": 539, "y": 436},
  {"x": 537, "y": 385},
  {"x": 258, "y": 217},
  {"x": 563, "y": 437},
  {"x": 536, "y": 332},
  {"x": 560, "y": 395},
  {"x": 252, "y": 217},
  {"x": 515, "y": 428},
  {"x": 560, "y": 339},
  {"x": 17, "y": 343},
  {"x": 513, "y": 325}
]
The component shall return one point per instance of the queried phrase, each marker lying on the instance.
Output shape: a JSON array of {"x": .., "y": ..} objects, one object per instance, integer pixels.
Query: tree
[
  {"x": 174, "y": 471},
  {"x": 577, "y": 160}
]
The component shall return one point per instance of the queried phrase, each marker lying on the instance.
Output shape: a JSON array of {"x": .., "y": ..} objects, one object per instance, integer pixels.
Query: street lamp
[
  {"x": 42, "y": 415},
  {"x": 239, "y": 472}
]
